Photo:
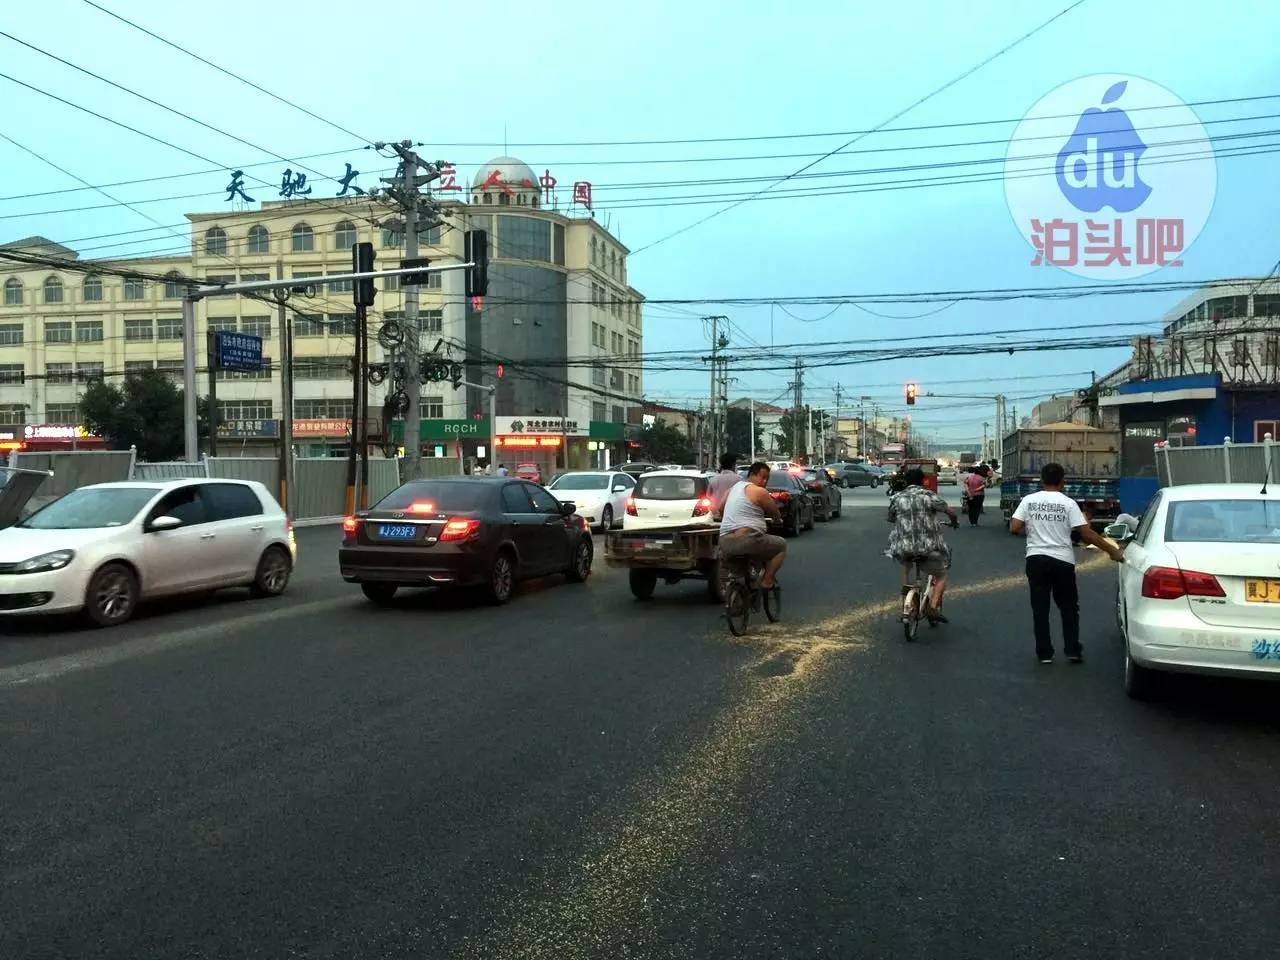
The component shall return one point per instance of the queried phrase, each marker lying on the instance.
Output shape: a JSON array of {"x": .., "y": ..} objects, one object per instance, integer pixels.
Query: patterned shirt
[{"x": 916, "y": 532}]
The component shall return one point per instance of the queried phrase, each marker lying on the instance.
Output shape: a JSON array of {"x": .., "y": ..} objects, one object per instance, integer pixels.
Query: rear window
[
  {"x": 670, "y": 488},
  {"x": 1223, "y": 521},
  {"x": 580, "y": 481},
  {"x": 780, "y": 480},
  {"x": 446, "y": 497}
]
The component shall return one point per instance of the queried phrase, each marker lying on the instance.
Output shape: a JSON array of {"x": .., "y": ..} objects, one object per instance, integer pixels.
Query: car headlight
[{"x": 46, "y": 561}]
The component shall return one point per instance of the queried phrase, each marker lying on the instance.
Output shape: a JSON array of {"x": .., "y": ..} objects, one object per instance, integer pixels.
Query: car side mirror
[
  {"x": 568, "y": 508},
  {"x": 160, "y": 524},
  {"x": 619, "y": 488},
  {"x": 1118, "y": 532}
]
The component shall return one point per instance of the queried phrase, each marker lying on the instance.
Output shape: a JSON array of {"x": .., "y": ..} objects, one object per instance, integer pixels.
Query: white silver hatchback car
[
  {"x": 1200, "y": 586},
  {"x": 103, "y": 548}
]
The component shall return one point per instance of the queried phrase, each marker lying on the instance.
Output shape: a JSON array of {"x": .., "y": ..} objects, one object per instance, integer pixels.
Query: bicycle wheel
[
  {"x": 773, "y": 603},
  {"x": 911, "y": 614},
  {"x": 737, "y": 608}
]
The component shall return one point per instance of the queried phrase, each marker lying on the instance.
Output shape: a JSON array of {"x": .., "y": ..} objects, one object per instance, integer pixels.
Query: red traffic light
[
  {"x": 911, "y": 394},
  {"x": 501, "y": 371}
]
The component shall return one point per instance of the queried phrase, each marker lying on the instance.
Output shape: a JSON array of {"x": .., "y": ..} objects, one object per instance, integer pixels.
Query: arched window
[
  {"x": 304, "y": 238},
  {"x": 215, "y": 242},
  {"x": 174, "y": 288},
  {"x": 344, "y": 235},
  {"x": 13, "y": 292},
  {"x": 504, "y": 200},
  {"x": 259, "y": 240},
  {"x": 92, "y": 289},
  {"x": 53, "y": 290},
  {"x": 391, "y": 238}
]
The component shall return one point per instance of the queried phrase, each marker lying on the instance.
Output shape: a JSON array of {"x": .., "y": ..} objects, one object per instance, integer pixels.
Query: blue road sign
[{"x": 238, "y": 351}]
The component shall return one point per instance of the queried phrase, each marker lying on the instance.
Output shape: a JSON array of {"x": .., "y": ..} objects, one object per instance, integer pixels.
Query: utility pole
[
  {"x": 797, "y": 411},
  {"x": 715, "y": 416},
  {"x": 837, "y": 444},
  {"x": 285, "y": 333},
  {"x": 752, "y": 428}
]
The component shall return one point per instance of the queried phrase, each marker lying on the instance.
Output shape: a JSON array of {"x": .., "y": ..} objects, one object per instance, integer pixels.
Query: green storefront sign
[
  {"x": 444, "y": 430},
  {"x": 605, "y": 430}
]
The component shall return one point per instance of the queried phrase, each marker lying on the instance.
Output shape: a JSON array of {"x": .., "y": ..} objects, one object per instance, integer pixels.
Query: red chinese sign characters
[
  {"x": 1059, "y": 242},
  {"x": 582, "y": 193}
]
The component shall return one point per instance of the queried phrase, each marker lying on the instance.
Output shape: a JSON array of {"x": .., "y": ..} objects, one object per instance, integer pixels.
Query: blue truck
[{"x": 1090, "y": 456}]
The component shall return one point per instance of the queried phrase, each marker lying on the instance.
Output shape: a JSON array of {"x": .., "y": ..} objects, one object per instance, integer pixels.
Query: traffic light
[
  {"x": 477, "y": 252},
  {"x": 501, "y": 371},
  {"x": 415, "y": 279},
  {"x": 362, "y": 258},
  {"x": 911, "y": 394}
]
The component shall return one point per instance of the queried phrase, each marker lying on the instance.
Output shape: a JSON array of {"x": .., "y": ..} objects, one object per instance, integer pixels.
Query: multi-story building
[{"x": 560, "y": 317}]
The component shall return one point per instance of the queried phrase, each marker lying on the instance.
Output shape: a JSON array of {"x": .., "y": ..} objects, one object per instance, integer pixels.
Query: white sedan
[
  {"x": 669, "y": 498},
  {"x": 103, "y": 548},
  {"x": 598, "y": 495},
  {"x": 1200, "y": 586}
]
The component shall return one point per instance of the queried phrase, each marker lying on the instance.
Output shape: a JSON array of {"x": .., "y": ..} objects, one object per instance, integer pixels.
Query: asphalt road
[{"x": 582, "y": 775}]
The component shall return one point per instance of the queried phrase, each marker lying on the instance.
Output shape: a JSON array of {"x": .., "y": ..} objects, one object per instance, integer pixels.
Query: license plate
[
  {"x": 653, "y": 544},
  {"x": 1262, "y": 591},
  {"x": 397, "y": 531}
]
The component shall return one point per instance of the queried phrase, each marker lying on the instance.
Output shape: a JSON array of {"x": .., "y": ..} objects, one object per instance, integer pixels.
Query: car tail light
[
  {"x": 459, "y": 528},
  {"x": 702, "y": 507},
  {"x": 350, "y": 525},
  {"x": 631, "y": 507},
  {"x": 780, "y": 495},
  {"x": 1170, "y": 583},
  {"x": 421, "y": 506}
]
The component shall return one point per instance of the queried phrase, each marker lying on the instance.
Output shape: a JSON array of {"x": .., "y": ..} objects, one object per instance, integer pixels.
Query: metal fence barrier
[{"x": 1226, "y": 463}]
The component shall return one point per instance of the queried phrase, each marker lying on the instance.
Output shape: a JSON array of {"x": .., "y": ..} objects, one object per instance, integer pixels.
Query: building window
[
  {"x": 61, "y": 413},
  {"x": 1228, "y": 308},
  {"x": 57, "y": 332},
  {"x": 391, "y": 238},
  {"x": 12, "y": 373},
  {"x": 1263, "y": 427},
  {"x": 615, "y": 379},
  {"x": 431, "y": 321},
  {"x": 244, "y": 410},
  {"x": 218, "y": 324},
  {"x": 595, "y": 251},
  {"x": 262, "y": 373},
  {"x": 215, "y": 242},
  {"x": 13, "y": 414},
  {"x": 308, "y": 325},
  {"x": 597, "y": 375},
  {"x": 320, "y": 368},
  {"x": 135, "y": 367},
  {"x": 139, "y": 329},
  {"x": 89, "y": 371},
  {"x": 13, "y": 292},
  {"x": 342, "y": 324},
  {"x": 598, "y": 410},
  {"x": 53, "y": 290},
  {"x": 258, "y": 326},
  {"x": 1266, "y": 305},
  {"x": 557, "y": 244},
  {"x": 340, "y": 286},
  {"x": 169, "y": 328},
  {"x": 344, "y": 235},
  {"x": 597, "y": 334},
  {"x": 253, "y": 277},
  {"x": 223, "y": 278},
  {"x": 89, "y": 331},
  {"x": 390, "y": 283},
  {"x": 92, "y": 289},
  {"x": 174, "y": 288},
  {"x": 259, "y": 240},
  {"x": 431, "y": 235},
  {"x": 322, "y": 409},
  {"x": 619, "y": 415},
  {"x": 10, "y": 334},
  {"x": 58, "y": 373},
  {"x": 304, "y": 240},
  {"x": 172, "y": 369},
  {"x": 525, "y": 238},
  {"x": 432, "y": 408},
  {"x": 633, "y": 348},
  {"x": 135, "y": 288},
  {"x": 434, "y": 281}
]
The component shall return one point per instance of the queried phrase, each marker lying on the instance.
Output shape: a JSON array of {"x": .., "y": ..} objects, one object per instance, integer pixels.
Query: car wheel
[
  {"x": 642, "y": 583},
  {"x": 791, "y": 527},
  {"x": 716, "y": 582},
  {"x": 810, "y": 525},
  {"x": 606, "y": 519},
  {"x": 580, "y": 565},
  {"x": 273, "y": 573},
  {"x": 112, "y": 595},
  {"x": 379, "y": 593},
  {"x": 1139, "y": 681},
  {"x": 502, "y": 579}
]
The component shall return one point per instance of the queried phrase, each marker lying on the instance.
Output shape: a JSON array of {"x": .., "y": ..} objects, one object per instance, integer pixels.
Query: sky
[{"x": 545, "y": 80}]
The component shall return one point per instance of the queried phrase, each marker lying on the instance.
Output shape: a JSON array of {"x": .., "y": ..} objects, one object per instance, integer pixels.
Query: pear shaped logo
[
  {"x": 1110, "y": 177},
  {"x": 1098, "y": 166}
]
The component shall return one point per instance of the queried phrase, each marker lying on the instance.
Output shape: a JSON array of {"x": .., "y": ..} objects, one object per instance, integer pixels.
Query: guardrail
[{"x": 1226, "y": 463}]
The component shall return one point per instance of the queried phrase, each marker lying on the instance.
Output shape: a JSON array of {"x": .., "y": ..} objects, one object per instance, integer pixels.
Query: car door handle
[
  {"x": 258, "y": 529},
  {"x": 207, "y": 536}
]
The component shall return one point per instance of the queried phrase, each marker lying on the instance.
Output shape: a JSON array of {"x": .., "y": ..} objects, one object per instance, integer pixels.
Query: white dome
[{"x": 513, "y": 173}]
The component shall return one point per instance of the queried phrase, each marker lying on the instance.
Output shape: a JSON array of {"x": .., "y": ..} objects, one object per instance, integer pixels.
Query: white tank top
[{"x": 740, "y": 512}]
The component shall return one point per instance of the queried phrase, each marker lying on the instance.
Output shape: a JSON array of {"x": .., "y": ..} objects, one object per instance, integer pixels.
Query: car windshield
[
  {"x": 445, "y": 497},
  {"x": 670, "y": 488},
  {"x": 1223, "y": 521},
  {"x": 580, "y": 481},
  {"x": 780, "y": 480},
  {"x": 91, "y": 507}
]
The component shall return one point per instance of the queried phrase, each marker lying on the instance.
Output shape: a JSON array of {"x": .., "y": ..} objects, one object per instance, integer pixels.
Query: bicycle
[
  {"x": 743, "y": 595},
  {"x": 916, "y": 602}
]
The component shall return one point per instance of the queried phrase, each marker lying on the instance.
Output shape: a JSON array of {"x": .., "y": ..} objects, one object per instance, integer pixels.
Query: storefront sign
[
  {"x": 321, "y": 428},
  {"x": 525, "y": 440},
  {"x": 54, "y": 431},
  {"x": 247, "y": 429},
  {"x": 443, "y": 429},
  {"x": 538, "y": 424}
]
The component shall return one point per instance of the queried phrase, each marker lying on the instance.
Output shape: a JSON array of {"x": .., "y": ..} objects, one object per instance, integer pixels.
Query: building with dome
[{"x": 560, "y": 318}]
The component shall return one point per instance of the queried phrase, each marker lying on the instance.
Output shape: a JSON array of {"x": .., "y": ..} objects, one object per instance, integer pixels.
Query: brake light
[
  {"x": 459, "y": 528},
  {"x": 1170, "y": 583},
  {"x": 780, "y": 495},
  {"x": 631, "y": 507},
  {"x": 702, "y": 507},
  {"x": 421, "y": 506},
  {"x": 350, "y": 524}
]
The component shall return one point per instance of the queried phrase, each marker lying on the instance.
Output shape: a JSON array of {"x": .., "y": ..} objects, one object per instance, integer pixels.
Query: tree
[
  {"x": 144, "y": 412},
  {"x": 737, "y": 429},
  {"x": 661, "y": 443},
  {"x": 791, "y": 423}
]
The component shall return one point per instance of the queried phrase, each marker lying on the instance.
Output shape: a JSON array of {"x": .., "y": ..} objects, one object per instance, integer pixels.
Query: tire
[
  {"x": 606, "y": 519},
  {"x": 773, "y": 604},
  {"x": 272, "y": 575},
  {"x": 811, "y": 524},
  {"x": 911, "y": 625},
  {"x": 580, "y": 564},
  {"x": 1139, "y": 682},
  {"x": 379, "y": 593},
  {"x": 112, "y": 595},
  {"x": 715, "y": 582},
  {"x": 642, "y": 583},
  {"x": 502, "y": 579},
  {"x": 737, "y": 608}
]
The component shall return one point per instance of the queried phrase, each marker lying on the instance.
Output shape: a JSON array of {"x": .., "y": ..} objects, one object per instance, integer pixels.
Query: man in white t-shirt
[{"x": 1048, "y": 519}]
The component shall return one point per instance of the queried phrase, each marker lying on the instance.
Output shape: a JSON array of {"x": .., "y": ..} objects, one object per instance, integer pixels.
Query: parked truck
[{"x": 1090, "y": 456}]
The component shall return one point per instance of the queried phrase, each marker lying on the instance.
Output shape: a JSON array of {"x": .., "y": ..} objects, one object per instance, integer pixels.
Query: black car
[
  {"x": 793, "y": 500},
  {"x": 486, "y": 532},
  {"x": 823, "y": 491},
  {"x": 637, "y": 469}
]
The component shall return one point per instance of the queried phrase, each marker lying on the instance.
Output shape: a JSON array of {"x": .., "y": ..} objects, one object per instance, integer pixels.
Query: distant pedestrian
[
  {"x": 1048, "y": 519},
  {"x": 502, "y": 469},
  {"x": 724, "y": 481},
  {"x": 975, "y": 489}
]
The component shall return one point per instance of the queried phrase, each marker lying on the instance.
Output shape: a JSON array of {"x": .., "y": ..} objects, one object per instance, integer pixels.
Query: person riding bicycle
[
  {"x": 917, "y": 538},
  {"x": 744, "y": 525}
]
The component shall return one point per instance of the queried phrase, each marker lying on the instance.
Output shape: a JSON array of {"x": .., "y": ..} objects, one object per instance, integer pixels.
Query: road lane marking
[
  {"x": 607, "y": 897},
  {"x": 38, "y": 671}
]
